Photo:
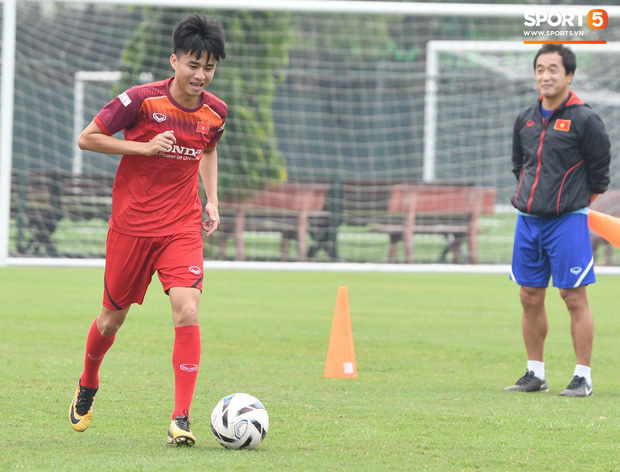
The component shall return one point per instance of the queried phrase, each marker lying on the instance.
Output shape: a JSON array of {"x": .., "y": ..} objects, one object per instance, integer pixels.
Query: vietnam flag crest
[
  {"x": 203, "y": 127},
  {"x": 562, "y": 125}
]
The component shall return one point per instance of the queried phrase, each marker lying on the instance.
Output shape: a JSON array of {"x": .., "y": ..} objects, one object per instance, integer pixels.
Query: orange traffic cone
[
  {"x": 606, "y": 226},
  {"x": 341, "y": 352}
]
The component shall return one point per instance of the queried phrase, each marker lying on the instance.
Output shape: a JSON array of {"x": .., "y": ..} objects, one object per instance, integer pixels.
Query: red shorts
[{"x": 131, "y": 262}]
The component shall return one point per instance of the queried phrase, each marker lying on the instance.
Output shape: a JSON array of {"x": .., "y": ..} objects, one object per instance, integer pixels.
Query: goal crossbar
[{"x": 435, "y": 48}]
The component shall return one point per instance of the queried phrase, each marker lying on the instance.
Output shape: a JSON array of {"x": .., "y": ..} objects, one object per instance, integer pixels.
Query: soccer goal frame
[{"x": 427, "y": 10}]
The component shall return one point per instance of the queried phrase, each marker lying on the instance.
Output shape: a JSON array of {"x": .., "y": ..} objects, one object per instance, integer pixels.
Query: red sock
[
  {"x": 185, "y": 361},
  {"x": 96, "y": 347}
]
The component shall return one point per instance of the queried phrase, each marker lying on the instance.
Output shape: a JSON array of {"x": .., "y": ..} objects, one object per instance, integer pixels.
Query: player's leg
[
  {"x": 572, "y": 267},
  {"x": 180, "y": 271},
  {"x": 126, "y": 279},
  {"x": 582, "y": 323},
  {"x": 582, "y": 331},
  {"x": 530, "y": 269},
  {"x": 534, "y": 326},
  {"x": 185, "y": 361},
  {"x": 534, "y": 322},
  {"x": 101, "y": 336},
  {"x": 187, "y": 346}
]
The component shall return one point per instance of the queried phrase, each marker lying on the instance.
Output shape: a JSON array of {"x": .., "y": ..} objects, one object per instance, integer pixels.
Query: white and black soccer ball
[{"x": 239, "y": 421}]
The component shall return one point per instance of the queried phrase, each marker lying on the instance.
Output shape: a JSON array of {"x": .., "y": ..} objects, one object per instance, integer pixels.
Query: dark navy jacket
[{"x": 561, "y": 162}]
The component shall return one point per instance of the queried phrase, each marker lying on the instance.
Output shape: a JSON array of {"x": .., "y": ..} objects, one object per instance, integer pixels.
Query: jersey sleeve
[
  {"x": 216, "y": 137},
  {"x": 120, "y": 113},
  {"x": 221, "y": 110}
]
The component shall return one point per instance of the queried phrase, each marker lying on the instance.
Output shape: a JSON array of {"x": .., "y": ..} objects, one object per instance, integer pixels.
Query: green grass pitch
[{"x": 434, "y": 352}]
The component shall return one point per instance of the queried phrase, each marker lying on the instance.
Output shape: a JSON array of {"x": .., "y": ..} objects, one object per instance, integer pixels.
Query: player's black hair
[
  {"x": 198, "y": 35},
  {"x": 568, "y": 56}
]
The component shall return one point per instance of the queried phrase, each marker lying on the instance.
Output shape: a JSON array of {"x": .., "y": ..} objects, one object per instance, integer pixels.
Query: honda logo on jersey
[
  {"x": 182, "y": 153},
  {"x": 185, "y": 151}
]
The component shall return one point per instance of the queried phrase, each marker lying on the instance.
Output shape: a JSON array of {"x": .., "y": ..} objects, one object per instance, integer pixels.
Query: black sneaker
[
  {"x": 81, "y": 409},
  {"x": 179, "y": 432},
  {"x": 578, "y": 387},
  {"x": 529, "y": 383}
]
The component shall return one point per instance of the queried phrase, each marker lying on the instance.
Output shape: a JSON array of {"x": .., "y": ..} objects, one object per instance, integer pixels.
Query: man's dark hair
[
  {"x": 198, "y": 35},
  {"x": 568, "y": 57}
]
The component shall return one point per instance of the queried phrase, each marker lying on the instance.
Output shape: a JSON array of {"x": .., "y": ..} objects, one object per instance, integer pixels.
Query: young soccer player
[
  {"x": 561, "y": 155},
  {"x": 171, "y": 129}
]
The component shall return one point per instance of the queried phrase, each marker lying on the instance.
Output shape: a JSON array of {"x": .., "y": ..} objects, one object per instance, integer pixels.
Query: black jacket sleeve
[
  {"x": 596, "y": 151},
  {"x": 517, "y": 151}
]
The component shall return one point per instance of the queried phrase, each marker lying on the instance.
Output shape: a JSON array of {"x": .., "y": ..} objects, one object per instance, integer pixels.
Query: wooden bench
[
  {"x": 404, "y": 209},
  {"x": 41, "y": 198},
  {"x": 290, "y": 209},
  {"x": 450, "y": 210},
  {"x": 608, "y": 203}
]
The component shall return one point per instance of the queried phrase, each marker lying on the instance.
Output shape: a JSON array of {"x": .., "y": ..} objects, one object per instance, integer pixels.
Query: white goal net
[{"x": 336, "y": 110}]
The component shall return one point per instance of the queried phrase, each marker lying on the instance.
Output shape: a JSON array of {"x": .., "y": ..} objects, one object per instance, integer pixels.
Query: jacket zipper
[{"x": 539, "y": 165}]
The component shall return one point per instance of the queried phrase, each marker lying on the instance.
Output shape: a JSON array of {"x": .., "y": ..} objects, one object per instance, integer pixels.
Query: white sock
[
  {"x": 585, "y": 372},
  {"x": 538, "y": 367}
]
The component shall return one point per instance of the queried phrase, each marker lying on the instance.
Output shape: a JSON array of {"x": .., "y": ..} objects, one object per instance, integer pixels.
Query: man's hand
[
  {"x": 213, "y": 219},
  {"x": 163, "y": 142}
]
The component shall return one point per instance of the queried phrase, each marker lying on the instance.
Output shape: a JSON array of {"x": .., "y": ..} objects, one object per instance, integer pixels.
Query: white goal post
[
  {"x": 80, "y": 78},
  {"x": 9, "y": 12}
]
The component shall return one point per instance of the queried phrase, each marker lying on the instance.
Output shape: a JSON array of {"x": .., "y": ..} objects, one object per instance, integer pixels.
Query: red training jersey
[{"x": 158, "y": 195}]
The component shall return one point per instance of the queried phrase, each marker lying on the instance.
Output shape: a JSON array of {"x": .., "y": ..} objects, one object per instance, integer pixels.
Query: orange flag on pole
[{"x": 606, "y": 226}]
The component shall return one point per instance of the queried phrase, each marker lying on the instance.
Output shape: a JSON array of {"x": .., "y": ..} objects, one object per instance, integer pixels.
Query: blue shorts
[{"x": 558, "y": 247}]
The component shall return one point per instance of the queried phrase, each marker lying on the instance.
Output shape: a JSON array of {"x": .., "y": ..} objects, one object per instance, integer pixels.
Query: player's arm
[
  {"x": 596, "y": 151},
  {"x": 94, "y": 139},
  {"x": 517, "y": 149},
  {"x": 208, "y": 173}
]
